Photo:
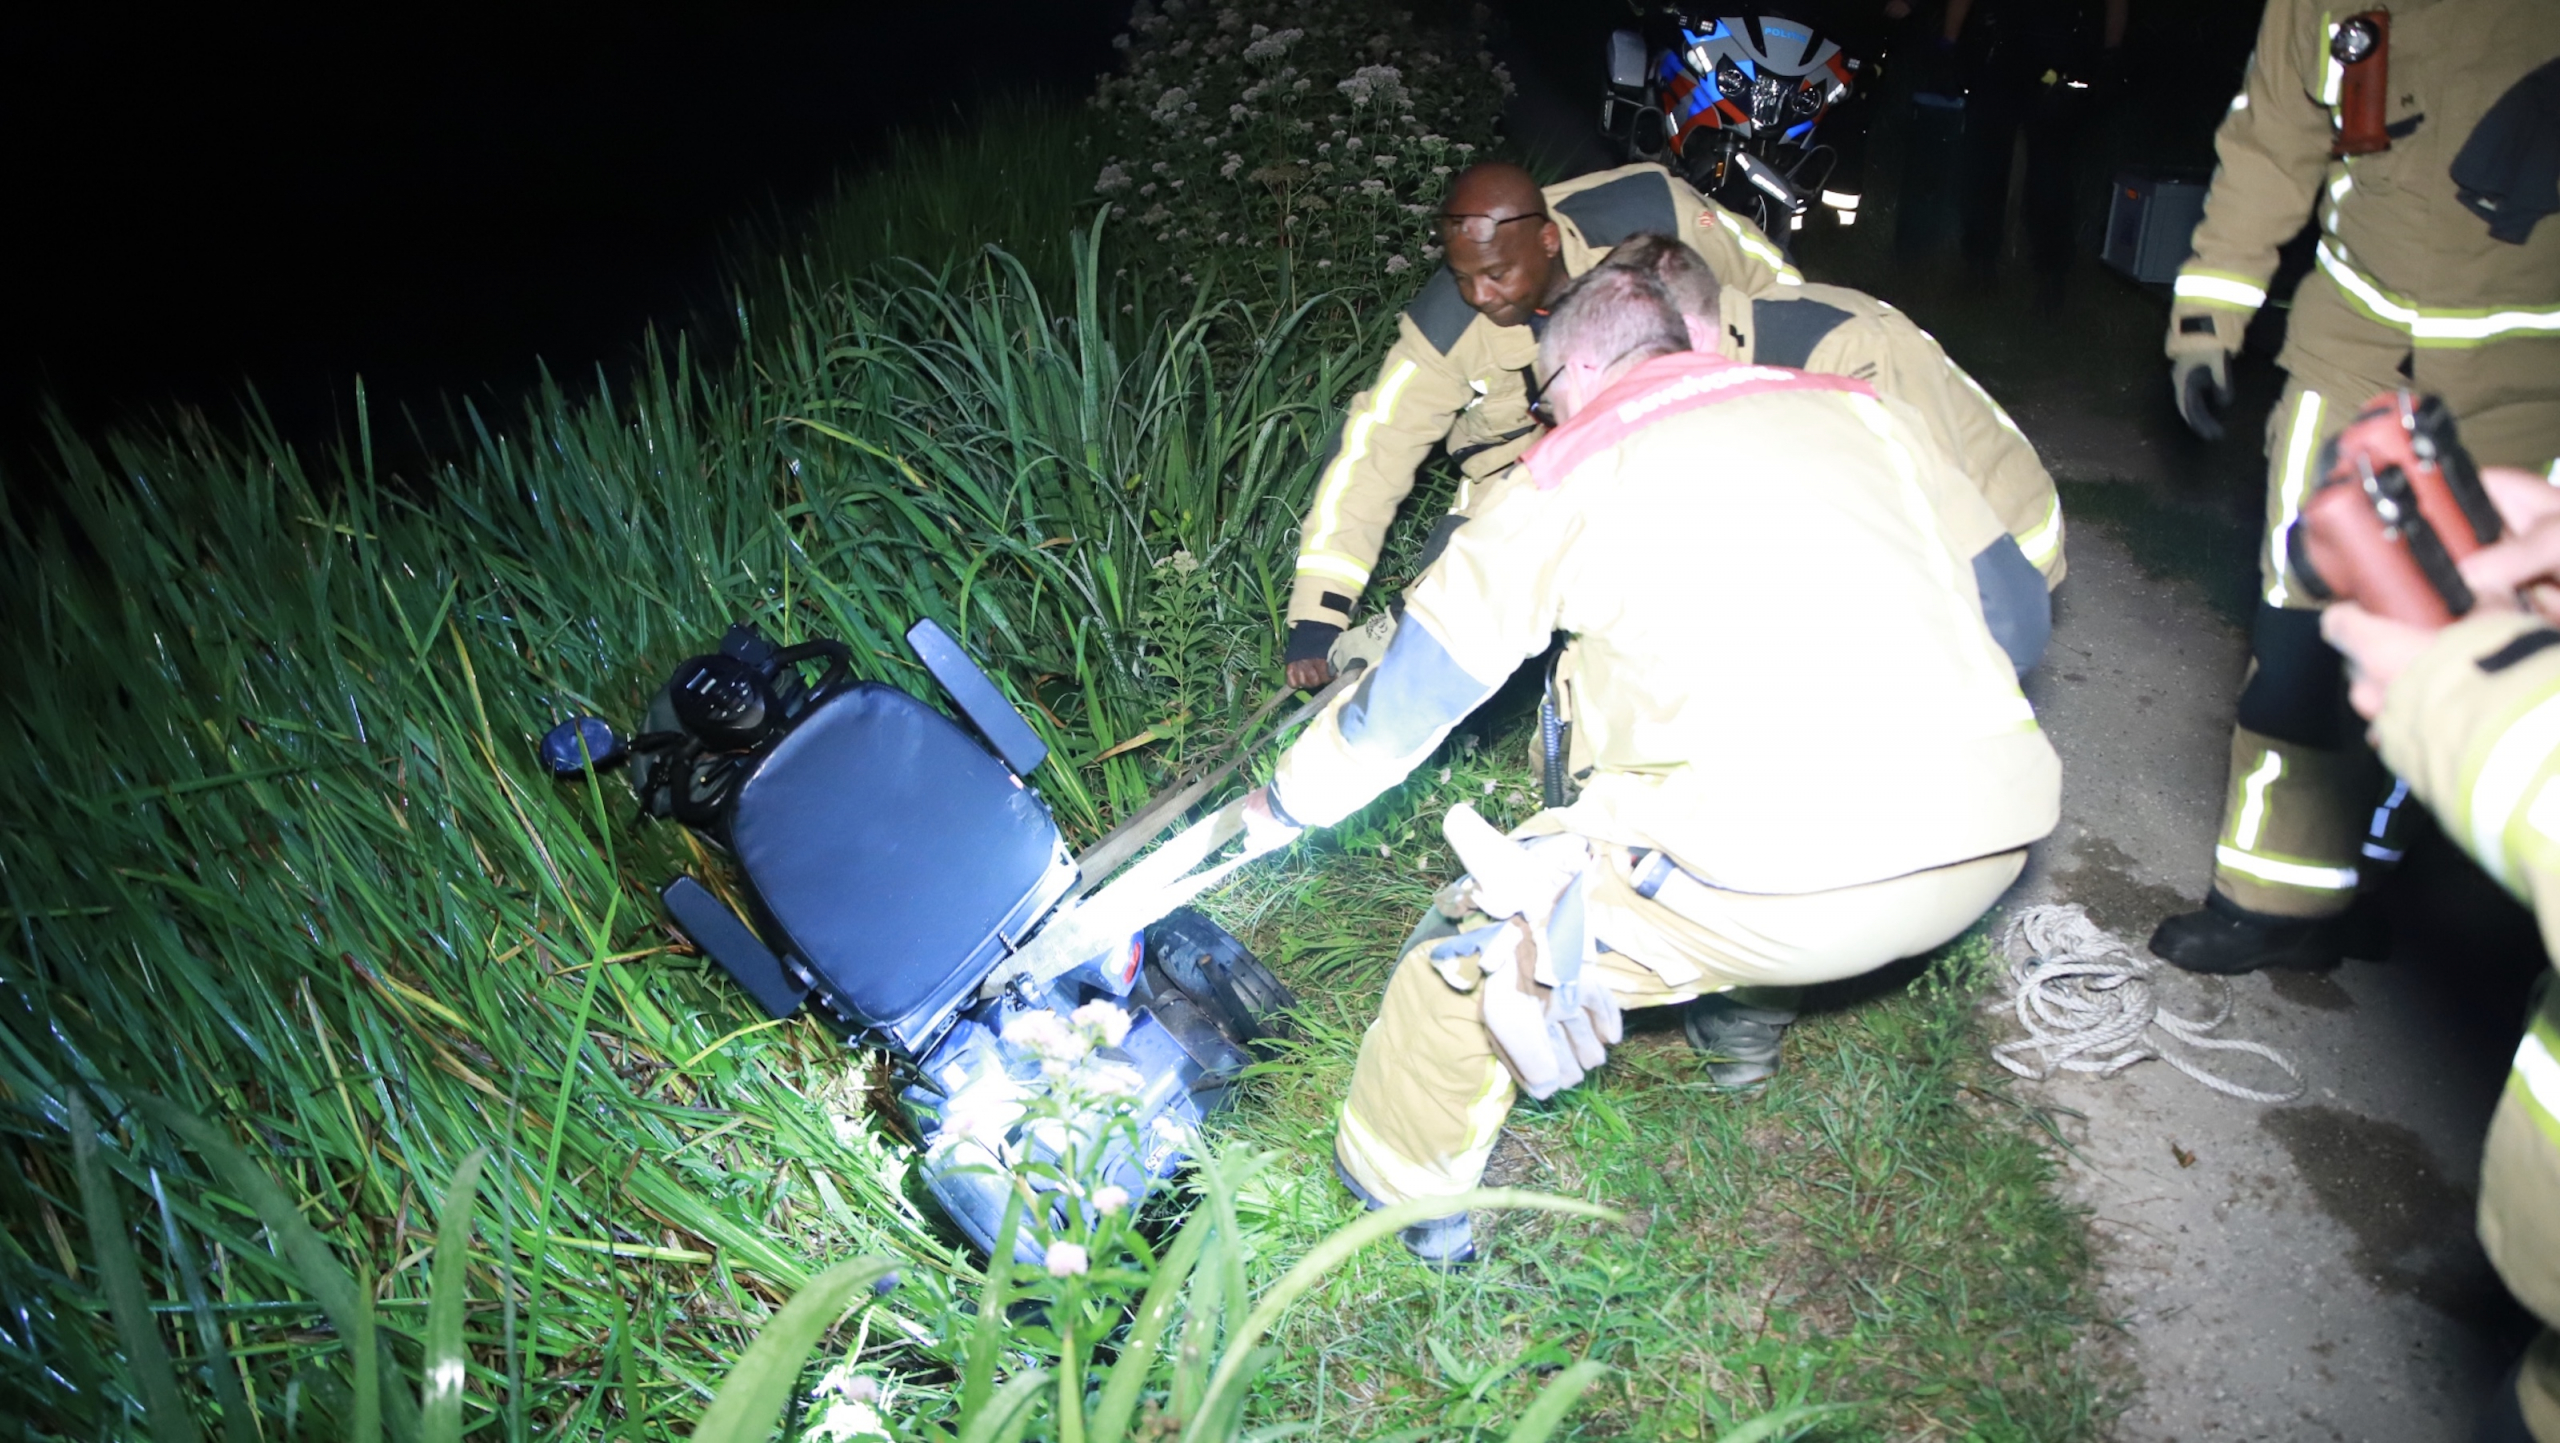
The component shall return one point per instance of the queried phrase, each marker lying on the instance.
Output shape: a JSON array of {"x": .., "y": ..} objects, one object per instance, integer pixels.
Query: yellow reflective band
[
  {"x": 2338, "y": 188},
  {"x": 2450, "y": 327},
  {"x": 1335, "y": 565},
  {"x": 2537, "y": 1077},
  {"x": 2298, "y": 446},
  {"x": 2043, "y": 543},
  {"x": 1999, "y": 413},
  {"x": 2253, "y": 797},
  {"x": 2515, "y": 759},
  {"x": 2544, "y": 815},
  {"x": 1840, "y": 199},
  {"x": 1754, "y": 246},
  {"x": 2335, "y": 74},
  {"x": 1355, "y": 446},
  {"x": 2219, "y": 289},
  {"x": 2284, "y": 873}
]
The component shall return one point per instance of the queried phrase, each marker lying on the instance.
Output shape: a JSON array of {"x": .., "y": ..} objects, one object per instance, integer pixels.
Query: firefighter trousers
[
  {"x": 1429, "y": 1093},
  {"x": 2307, "y": 811}
]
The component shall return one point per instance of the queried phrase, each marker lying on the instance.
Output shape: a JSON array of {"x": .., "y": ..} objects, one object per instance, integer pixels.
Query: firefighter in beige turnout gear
[
  {"x": 2471, "y": 716},
  {"x": 1804, "y": 754},
  {"x": 2413, "y": 136},
  {"x": 1459, "y": 370}
]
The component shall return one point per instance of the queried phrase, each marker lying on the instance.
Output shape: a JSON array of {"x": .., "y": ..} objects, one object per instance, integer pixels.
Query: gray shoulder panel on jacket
[
  {"x": 1631, "y": 205},
  {"x": 1784, "y": 332},
  {"x": 1440, "y": 313}
]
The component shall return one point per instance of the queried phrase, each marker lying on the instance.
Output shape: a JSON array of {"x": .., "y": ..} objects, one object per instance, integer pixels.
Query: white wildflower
[
  {"x": 1066, "y": 1260},
  {"x": 1110, "y": 1198},
  {"x": 1148, "y": 189},
  {"x": 1382, "y": 162},
  {"x": 1352, "y": 144},
  {"x": 1234, "y": 163},
  {"x": 1106, "y": 1020},
  {"x": 1047, "y": 1035},
  {"x": 1271, "y": 45},
  {"x": 1115, "y": 177},
  {"x": 1396, "y": 266},
  {"x": 1238, "y": 113}
]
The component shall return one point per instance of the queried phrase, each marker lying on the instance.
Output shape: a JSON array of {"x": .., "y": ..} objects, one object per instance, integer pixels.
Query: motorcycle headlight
[
  {"x": 1805, "y": 101},
  {"x": 1730, "y": 81}
]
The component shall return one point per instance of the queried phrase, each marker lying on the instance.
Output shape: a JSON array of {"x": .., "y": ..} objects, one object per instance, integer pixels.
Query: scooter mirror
[{"x": 580, "y": 743}]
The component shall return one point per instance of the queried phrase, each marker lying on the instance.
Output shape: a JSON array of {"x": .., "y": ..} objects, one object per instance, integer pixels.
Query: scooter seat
[{"x": 895, "y": 858}]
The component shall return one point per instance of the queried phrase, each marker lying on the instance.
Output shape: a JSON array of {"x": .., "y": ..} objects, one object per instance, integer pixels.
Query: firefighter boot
[
  {"x": 1443, "y": 1245},
  {"x": 2227, "y": 939},
  {"x": 1739, "y": 1031}
]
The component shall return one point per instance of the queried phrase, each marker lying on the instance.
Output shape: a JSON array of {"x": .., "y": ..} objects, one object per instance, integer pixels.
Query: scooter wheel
[{"x": 1225, "y": 981}]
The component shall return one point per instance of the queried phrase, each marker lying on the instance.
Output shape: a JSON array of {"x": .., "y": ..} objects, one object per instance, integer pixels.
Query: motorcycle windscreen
[{"x": 898, "y": 858}]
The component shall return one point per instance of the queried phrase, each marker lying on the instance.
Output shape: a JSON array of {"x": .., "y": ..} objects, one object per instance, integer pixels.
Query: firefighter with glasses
[
  {"x": 1459, "y": 373},
  {"x": 2422, "y": 139}
]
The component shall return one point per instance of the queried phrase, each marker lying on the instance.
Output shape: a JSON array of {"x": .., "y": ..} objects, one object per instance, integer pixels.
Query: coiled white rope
[{"x": 2089, "y": 1004}]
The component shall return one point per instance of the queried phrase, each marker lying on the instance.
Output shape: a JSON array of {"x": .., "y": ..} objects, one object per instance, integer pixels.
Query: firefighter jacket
[
  {"x": 1786, "y": 687},
  {"x": 1454, "y": 376},
  {"x": 2474, "y": 725},
  {"x": 1846, "y": 332},
  {"x": 2435, "y": 236}
]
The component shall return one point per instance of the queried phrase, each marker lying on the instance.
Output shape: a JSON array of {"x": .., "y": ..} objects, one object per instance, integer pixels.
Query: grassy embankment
[{"x": 283, "y": 858}]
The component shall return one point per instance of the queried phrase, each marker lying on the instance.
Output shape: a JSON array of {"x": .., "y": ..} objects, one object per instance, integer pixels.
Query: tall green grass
[{"x": 280, "y": 854}]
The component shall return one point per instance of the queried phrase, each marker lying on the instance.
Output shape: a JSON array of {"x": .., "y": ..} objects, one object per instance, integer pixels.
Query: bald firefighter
[
  {"x": 2423, "y": 139},
  {"x": 1804, "y": 753},
  {"x": 2468, "y": 715},
  {"x": 1459, "y": 370}
]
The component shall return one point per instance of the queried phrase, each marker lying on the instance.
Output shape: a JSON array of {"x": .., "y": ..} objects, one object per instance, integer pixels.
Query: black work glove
[
  {"x": 2201, "y": 381},
  {"x": 1309, "y": 641}
]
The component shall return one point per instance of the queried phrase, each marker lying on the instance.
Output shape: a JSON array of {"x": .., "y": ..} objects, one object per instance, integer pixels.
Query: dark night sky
[{"x": 432, "y": 195}]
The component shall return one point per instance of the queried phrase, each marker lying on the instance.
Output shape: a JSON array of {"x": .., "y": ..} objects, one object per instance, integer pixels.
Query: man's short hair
[
  {"x": 1686, "y": 282},
  {"x": 1611, "y": 314}
]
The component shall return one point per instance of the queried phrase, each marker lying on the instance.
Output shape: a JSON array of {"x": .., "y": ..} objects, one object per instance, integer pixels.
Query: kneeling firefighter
[{"x": 1805, "y": 753}]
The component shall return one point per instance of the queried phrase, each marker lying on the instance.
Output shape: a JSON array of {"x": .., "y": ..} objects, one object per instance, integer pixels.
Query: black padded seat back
[{"x": 896, "y": 857}]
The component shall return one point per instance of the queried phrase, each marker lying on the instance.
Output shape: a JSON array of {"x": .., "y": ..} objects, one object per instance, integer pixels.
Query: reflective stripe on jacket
[{"x": 1781, "y": 673}]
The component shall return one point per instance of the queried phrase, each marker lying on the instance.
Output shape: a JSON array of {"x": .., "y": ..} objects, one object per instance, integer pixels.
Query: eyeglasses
[{"x": 1481, "y": 228}]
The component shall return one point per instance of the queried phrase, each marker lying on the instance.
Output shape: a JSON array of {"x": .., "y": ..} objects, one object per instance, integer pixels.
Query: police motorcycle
[
  {"x": 1740, "y": 106},
  {"x": 898, "y": 878}
]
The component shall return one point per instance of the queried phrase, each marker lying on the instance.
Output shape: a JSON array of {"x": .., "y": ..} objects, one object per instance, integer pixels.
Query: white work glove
[
  {"x": 1366, "y": 642},
  {"x": 1549, "y": 1029},
  {"x": 1549, "y": 1037}
]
